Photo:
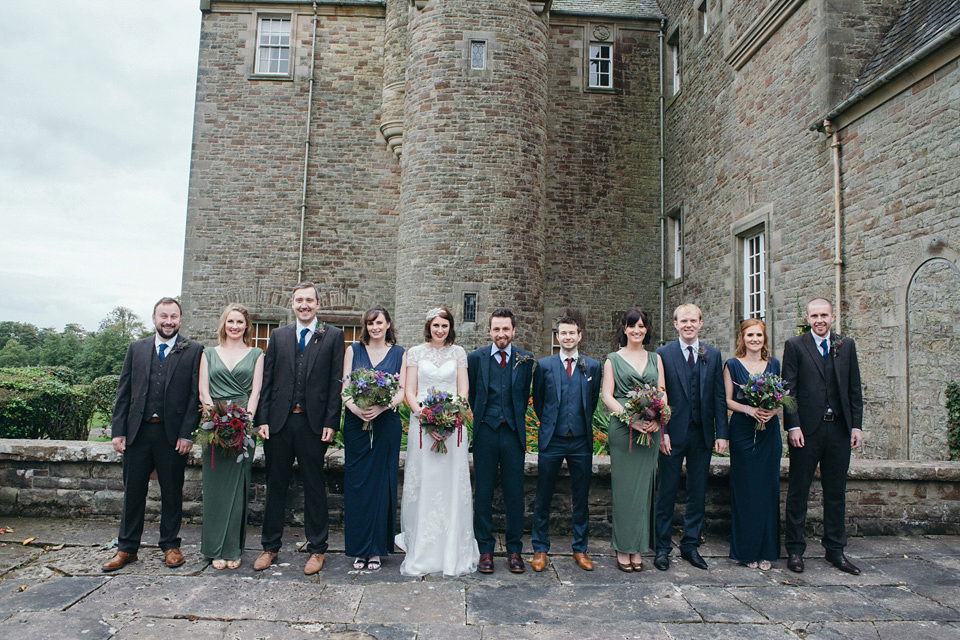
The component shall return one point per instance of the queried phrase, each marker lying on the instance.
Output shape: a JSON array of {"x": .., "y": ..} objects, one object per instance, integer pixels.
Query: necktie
[
  {"x": 569, "y": 367},
  {"x": 303, "y": 338},
  {"x": 825, "y": 348},
  {"x": 163, "y": 347},
  {"x": 690, "y": 361},
  {"x": 503, "y": 358}
]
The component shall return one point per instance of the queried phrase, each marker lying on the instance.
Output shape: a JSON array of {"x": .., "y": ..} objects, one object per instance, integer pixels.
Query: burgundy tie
[
  {"x": 690, "y": 361},
  {"x": 503, "y": 358},
  {"x": 569, "y": 367}
]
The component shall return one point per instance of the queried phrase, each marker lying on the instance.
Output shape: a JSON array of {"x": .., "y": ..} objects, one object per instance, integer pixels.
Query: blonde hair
[
  {"x": 222, "y": 330},
  {"x": 689, "y": 306}
]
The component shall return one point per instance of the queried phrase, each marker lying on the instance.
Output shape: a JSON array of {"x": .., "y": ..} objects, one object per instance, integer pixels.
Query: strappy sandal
[
  {"x": 360, "y": 564},
  {"x": 765, "y": 565},
  {"x": 373, "y": 565},
  {"x": 233, "y": 564},
  {"x": 219, "y": 564},
  {"x": 750, "y": 565}
]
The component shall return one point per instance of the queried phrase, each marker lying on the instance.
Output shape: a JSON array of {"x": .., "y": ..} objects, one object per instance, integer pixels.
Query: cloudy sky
[{"x": 96, "y": 117}]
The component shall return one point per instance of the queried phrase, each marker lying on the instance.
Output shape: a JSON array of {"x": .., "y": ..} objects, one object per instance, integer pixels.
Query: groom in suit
[
  {"x": 499, "y": 391},
  {"x": 299, "y": 414},
  {"x": 698, "y": 426},
  {"x": 565, "y": 392},
  {"x": 153, "y": 422},
  {"x": 822, "y": 373}
]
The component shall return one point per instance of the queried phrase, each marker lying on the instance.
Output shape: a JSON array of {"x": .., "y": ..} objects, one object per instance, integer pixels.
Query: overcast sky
[{"x": 96, "y": 119}]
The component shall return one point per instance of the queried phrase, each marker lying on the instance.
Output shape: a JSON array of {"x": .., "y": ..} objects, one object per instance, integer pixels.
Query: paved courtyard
[{"x": 52, "y": 588}]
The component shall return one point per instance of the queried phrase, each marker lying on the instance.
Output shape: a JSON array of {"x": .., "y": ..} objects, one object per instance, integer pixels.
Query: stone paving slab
[
  {"x": 717, "y": 604},
  {"x": 15, "y": 555},
  {"x": 433, "y": 603},
  {"x": 46, "y": 596},
  {"x": 56, "y": 626},
  {"x": 908, "y": 605},
  {"x": 725, "y": 632}
]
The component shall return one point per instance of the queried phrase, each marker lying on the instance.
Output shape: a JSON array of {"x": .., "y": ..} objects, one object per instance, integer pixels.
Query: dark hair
[
  {"x": 446, "y": 315},
  {"x": 222, "y": 329},
  {"x": 503, "y": 313},
  {"x": 741, "y": 349},
  {"x": 570, "y": 320},
  {"x": 370, "y": 316},
  {"x": 168, "y": 301},
  {"x": 306, "y": 285},
  {"x": 629, "y": 319}
]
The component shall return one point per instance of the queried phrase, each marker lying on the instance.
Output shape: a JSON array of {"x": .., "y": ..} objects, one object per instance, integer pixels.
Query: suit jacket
[
  {"x": 804, "y": 374},
  {"x": 548, "y": 380},
  {"x": 324, "y": 368},
  {"x": 478, "y": 369},
  {"x": 181, "y": 397},
  {"x": 713, "y": 401}
]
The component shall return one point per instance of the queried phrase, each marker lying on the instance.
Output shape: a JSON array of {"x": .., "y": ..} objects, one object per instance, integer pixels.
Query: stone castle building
[{"x": 592, "y": 155}]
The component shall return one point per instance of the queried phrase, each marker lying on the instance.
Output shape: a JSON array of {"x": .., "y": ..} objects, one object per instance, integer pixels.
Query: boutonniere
[
  {"x": 702, "y": 351},
  {"x": 180, "y": 346},
  {"x": 836, "y": 345},
  {"x": 321, "y": 329},
  {"x": 522, "y": 359},
  {"x": 582, "y": 365}
]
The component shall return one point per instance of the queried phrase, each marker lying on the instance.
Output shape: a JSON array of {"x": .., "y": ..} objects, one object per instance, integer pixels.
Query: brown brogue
[
  {"x": 119, "y": 559},
  {"x": 314, "y": 564},
  {"x": 173, "y": 558},
  {"x": 486, "y": 563},
  {"x": 583, "y": 561},
  {"x": 539, "y": 562},
  {"x": 264, "y": 560},
  {"x": 515, "y": 563}
]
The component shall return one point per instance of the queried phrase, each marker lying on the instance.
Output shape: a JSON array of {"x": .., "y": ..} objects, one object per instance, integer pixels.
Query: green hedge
[
  {"x": 43, "y": 402},
  {"x": 953, "y": 420},
  {"x": 103, "y": 394}
]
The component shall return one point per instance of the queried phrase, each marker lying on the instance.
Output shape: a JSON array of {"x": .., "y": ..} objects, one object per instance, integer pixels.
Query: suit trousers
[
  {"x": 828, "y": 447},
  {"x": 578, "y": 452},
  {"x": 151, "y": 450},
  {"x": 495, "y": 449},
  {"x": 296, "y": 440},
  {"x": 697, "y": 455}
]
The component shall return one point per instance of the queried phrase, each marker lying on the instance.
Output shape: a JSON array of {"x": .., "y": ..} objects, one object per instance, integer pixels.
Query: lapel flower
[
  {"x": 838, "y": 340},
  {"x": 318, "y": 334},
  {"x": 583, "y": 367},
  {"x": 180, "y": 346},
  {"x": 702, "y": 351},
  {"x": 521, "y": 359}
]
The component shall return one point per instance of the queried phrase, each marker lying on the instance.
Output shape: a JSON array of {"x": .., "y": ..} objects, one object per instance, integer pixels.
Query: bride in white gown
[{"x": 436, "y": 512}]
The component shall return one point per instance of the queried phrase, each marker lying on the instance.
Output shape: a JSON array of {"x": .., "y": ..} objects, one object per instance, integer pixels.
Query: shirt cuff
[{"x": 793, "y": 428}]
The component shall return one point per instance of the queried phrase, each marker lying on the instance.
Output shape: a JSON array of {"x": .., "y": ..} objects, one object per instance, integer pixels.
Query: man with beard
[{"x": 153, "y": 419}]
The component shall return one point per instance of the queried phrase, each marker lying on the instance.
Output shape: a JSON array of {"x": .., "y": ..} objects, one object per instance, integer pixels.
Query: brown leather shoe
[
  {"x": 515, "y": 563},
  {"x": 486, "y": 563},
  {"x": 583, "y": 561},
  {"x": 539, "y": 562},
  {"x": 118, "y": 560},
  {"x": 173, "y": 558},
  {"x": 264, "y": 560},
  {"x": 314, "y": 564}
]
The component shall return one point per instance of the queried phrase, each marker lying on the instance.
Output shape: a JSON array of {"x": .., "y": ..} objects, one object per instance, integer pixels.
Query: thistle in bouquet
[
  {"x": 228, "y": 426},
  {"x": 644, "y": 402},
  {"x": 442, "y": 413},
  {"x": 766, "y": 391},
  {"x": 371, "y": 388}
]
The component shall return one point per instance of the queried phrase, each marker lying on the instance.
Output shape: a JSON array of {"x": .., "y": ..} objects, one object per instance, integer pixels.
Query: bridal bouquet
[
  {"x": 226, "y": 425},
  {"x": 644, "y": 402},
  {"x": 443, "y": 412},
  {"x": 371, "y": 388},
  {"x": 765, "y": 391}
]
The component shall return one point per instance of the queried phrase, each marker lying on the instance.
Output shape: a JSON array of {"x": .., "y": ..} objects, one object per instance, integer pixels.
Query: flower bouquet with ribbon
[
  {"x": 765, "y": 391},
  {"x": 371, "y": 388},
  {"x": 644, "y": 402},
  {"x": 228, "y": 426},
  {"x": 442, "y": 413}
]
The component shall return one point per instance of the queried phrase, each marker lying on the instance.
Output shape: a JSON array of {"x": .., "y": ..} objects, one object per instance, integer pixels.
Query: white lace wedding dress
[{"x": 436, "y": 512}]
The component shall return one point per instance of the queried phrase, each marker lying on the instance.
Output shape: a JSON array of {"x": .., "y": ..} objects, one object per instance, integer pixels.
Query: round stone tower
[{"x": 474, "y": 142}]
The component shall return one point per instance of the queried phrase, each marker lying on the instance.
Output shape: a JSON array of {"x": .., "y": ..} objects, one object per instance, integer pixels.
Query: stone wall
[{"x": 76, "y": 480}]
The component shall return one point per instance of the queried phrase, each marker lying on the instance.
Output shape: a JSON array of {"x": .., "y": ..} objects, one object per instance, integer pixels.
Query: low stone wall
[{"x": 59, "y": 478}]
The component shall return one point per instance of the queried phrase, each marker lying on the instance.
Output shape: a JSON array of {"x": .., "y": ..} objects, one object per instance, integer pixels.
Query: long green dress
[
  {"x": 632, "y": 473},
  {"x": 226, "y": 481}
]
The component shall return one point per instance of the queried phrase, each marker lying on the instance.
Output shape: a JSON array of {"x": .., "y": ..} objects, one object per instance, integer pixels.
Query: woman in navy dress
[
  {"x": 372, "y": 458},
  {"x": 754, "y": 454}
]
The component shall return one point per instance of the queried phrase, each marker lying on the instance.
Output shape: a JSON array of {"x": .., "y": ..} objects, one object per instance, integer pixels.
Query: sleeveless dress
[
  {"x": 754, "y": 478},
  {"x": 226, "y": 481},
  {"x": 632, "y": 473},
  {"x": 436, "y": 514},
  {"x": 371, "y": 469}
]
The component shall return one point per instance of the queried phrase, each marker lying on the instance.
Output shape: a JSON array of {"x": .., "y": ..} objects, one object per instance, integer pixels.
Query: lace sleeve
[
  {"x": 461, "y": 356},
  {"x": 413, "y": 356}
]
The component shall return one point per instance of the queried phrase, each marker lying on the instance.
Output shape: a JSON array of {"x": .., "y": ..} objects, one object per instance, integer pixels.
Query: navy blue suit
[
  {"x": 699, "y": 415},
  {"x": 499, "y": 444},
  {"x": 565, "y": 405}
]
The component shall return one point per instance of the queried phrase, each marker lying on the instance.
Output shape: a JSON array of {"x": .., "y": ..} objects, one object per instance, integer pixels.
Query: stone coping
[{"x": 860, "y": 469}]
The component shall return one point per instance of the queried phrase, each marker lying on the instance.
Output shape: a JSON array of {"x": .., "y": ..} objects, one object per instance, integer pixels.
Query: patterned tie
[
  {"x": 690, "y": 361},
  {"x": 825, "y": 348},
  {"x": 503, "y": 358},
  {"x": 569, "y": 367},
  {"x": 303, "y": 338},
  {"x": 163, "y": 347}
]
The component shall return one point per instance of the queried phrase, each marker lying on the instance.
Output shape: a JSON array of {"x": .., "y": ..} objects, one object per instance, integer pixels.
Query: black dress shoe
[
  {"x": 486, "y": 563},
  {"x": 662, "y": 561},
  {"x": 841, "y": 562},
  {"x": 795, "y": 563},
  {"x": 693, "y": 557}
]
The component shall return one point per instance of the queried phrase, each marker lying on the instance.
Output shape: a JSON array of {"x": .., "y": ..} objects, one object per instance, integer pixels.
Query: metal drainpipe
[
  {"x": 306, "y": 146},
  {"x": 837, "y": 208},
  {"x": 663, "y": 219}
]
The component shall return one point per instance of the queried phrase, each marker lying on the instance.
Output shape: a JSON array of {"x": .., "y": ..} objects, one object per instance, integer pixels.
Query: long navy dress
[
  {"x": 754, "y": 478},
  {"x": 370, "y": 471}
]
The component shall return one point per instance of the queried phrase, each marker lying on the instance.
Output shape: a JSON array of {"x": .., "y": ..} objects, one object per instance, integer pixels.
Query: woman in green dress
[
  {"x": 231, "y": 372},
  {"x": 633, "y": 467}
]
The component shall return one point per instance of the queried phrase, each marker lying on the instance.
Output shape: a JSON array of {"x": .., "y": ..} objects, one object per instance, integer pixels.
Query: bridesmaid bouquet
[
  {"x": 226, "y": 425},
  {"x": 372, "y": 388},
  {"x": 644, "y": 402},
  {"x": 765, "y": 391},
  {"x": 443, "y": 412}
]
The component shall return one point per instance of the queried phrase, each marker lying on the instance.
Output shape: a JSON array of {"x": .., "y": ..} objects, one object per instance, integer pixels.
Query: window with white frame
[
  {"x": 675, "y": 229},
  {"x": 673, "y": 60},
  {"x": 261, "y": 333},
  {"x": 469, "y": 307},
  {"x": 703, "y": 23},
  {"x": 754, "y": 276},
  {"x": 478, "y": 54},
  {"x": 601, "y": 66},
  {"x": 554, "y": 343},
  {"x": 273, "y": 46}
]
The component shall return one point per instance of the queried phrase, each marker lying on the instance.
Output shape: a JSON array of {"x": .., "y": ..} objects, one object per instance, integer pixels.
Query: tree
[
  {"x": 24, "y": 333},
  {"x": 125, "y": 321},
  {"x": 103, "y": 353},
  {"x": 13, "y": 354},
  {"x": 62, "y": 349}
]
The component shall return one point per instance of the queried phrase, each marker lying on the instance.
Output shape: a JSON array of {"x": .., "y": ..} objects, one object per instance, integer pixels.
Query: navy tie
[
  {"x": 303, "y": 338},
  {"x": 163, "y": 347},
  {"x": 825, "y": 348}
]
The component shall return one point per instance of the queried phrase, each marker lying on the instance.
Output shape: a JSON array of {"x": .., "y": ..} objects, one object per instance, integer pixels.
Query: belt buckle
[{"x": 829, "y": 417}]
